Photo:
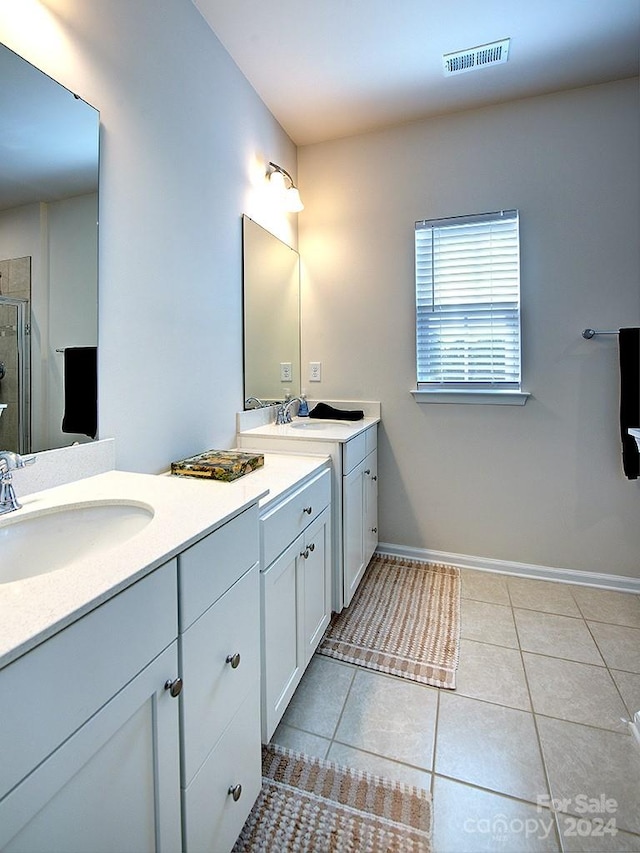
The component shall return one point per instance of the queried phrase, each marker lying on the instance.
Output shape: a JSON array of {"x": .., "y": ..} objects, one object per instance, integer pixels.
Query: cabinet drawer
[
  {"x": 213, "y": 688},
  {"x": 69, "y": 677},
  {"x": 283, "y": 523},
  {"x": 212, "y": 818},
  {"x": 371, "y": 439},
  {"x": 353, "y": 452},
  {"x": 211, "y": 566}
]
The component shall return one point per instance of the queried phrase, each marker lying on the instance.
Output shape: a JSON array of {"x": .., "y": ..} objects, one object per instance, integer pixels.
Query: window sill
[{"x": 493, "y": 398}]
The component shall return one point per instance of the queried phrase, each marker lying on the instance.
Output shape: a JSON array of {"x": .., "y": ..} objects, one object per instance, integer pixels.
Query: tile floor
[{"x": 548, "y": 673}]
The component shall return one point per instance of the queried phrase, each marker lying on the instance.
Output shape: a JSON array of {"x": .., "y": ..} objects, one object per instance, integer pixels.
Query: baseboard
[{"x": 619, "y": 583}]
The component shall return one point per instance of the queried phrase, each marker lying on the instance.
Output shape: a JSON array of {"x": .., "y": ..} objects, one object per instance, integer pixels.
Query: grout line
[{"x": 545, "y": 769}]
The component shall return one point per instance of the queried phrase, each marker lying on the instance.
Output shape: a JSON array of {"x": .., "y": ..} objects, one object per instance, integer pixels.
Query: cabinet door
[
  {"x": 282, "y": 645},
  {"x": 353, "y": 530},
  {"x": 114, "y": 785},
  {"x": 370, "y": 505},
  {"x": 315, "y": 582}
]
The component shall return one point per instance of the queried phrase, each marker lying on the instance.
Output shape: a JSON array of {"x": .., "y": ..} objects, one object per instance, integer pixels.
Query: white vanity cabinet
[
  {"x": 359, "y": 508},
  {"x": 89, "y": 736},
  {"x": 295, "y": 534},
  {"x": 220, "y": 665},
  {"x": 352, "y": 447}
]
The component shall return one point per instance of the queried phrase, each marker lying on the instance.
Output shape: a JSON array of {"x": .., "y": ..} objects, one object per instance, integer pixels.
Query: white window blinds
[{"x": 468, "y": 302}]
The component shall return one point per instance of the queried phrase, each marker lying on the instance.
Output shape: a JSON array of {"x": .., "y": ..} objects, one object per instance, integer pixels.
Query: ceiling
[{"x": 334, "y": 68}]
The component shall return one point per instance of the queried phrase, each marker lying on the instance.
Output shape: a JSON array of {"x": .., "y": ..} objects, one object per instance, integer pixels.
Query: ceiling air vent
[{"x": 476, "y": 57}]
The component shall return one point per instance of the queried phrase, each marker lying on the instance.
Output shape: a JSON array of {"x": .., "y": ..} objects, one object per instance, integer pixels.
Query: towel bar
[{"x": 589, "y": 333}]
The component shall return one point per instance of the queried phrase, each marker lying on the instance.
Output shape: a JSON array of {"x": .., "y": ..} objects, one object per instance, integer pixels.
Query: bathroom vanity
[
  {"x": 95, "y": 721},
  {"x": 352, "y": 447},
  {"x": 138, "y": 679}
]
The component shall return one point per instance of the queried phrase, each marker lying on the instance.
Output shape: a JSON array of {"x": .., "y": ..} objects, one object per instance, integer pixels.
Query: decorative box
[{"x": 226, "y": 465}]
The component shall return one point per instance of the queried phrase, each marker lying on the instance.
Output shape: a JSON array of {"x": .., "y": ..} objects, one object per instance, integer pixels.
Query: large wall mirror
[
  {"x": 48, "y": 259},
  {"x": 271, "y": 316}
]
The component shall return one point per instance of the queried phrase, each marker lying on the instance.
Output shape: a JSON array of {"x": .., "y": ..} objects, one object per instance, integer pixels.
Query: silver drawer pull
[
  {"x": 307, "y": 509},
  {"x": 305, "y": 553},
  {"x": 174, "y": 687},
  {"x": 234, "y": 660},
  {"x": 235, "y": 791},
  {"x": 312, "y": 546},
  {"x": 375, "y": 477},
  {"x": 374, "y": 529},
  {"x": 368, "y": 471}
]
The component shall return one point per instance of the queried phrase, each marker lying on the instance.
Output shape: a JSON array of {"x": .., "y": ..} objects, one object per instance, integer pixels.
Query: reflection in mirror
[
  {"x": 48, "y": 251},
  {"x": 271, "y": 316}
]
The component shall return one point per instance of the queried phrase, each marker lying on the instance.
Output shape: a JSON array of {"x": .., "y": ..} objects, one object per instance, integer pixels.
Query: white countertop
[
  {"x": 312, "y": 429},
  {"x": 185, "y": 509}
]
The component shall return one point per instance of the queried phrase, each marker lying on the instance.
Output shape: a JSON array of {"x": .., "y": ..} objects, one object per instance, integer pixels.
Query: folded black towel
[
  {"x": 80, "y": 391},
  {"x": 629, "y": 346},
  {"x": 324, "y": 410}
]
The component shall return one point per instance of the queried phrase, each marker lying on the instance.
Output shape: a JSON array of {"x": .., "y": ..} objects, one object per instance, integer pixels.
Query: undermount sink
[{"x": 43, "y": 542}]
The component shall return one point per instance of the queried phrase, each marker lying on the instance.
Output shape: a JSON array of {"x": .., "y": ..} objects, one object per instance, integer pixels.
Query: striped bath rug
[
  {"x": 308, "y": 805},
  {"x": 404, "y": 620}
]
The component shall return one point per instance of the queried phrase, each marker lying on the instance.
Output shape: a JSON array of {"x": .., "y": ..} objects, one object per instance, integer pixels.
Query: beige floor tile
[
  {"x": 379, "y": 766},
  {"x": 588, "y": 763},
  {"x": 317, "y": 703},
  {"x": 603, "y": 605},
  {"x": 484, "y": 586},
  {"x": 468, "y": 820},
  {"x": 574, "y": 691},
  {"x": 391, "y": 717},
  {"x": 620, "y": 646},
  {"x": 541, "y": 595},
  {"x": 489, "y": 746},
  {"x": 488, "y": 623},
  {"x": 301, "y": 741},
  {"x": 556, "y": 636},
  {"x": 593, "y": 836},
  {"x": 492, "y": 673},
  {"x": 629, "y": 686}
]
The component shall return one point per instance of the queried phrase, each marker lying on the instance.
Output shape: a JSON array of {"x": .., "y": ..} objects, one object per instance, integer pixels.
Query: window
[{"x": 468, "y": 304}]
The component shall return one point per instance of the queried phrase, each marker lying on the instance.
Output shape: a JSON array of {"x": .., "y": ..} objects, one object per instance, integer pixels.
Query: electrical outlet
[
  {"x": 285, "y": 371},
  {"x": 315, "y": 371}
]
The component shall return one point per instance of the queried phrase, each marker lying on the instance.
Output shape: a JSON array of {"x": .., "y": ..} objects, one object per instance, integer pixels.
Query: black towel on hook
[
  {"x": 80, "y": 391},
  {"x": 629, "y": 345}
]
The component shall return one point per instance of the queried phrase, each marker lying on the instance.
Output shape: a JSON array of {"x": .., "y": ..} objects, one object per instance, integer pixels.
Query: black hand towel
[
  {"x": 80, "y": 391},
  {"x": 324, "y": 410},
  {"x": 629, "y": 345}
]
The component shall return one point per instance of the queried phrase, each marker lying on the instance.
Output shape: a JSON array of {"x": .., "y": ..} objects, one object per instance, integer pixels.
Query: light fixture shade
[
  {"x": 277, "y": 181},
  {"x": 293, "y": 201},
  {"x": 283, "y": 186}
]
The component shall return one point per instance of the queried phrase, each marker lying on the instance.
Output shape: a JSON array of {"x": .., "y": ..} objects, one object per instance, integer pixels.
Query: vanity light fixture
[{"x": 283, "y": 183}]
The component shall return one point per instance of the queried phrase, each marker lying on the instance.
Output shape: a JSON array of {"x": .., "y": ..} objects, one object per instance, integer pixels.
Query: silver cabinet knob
[
  {"x": 235, "y": 791},
  {"x": 375, "y": 477},
  {"x": 305, "y": 553},
  {"x": 307, "y": 509},
  {"x": 374, "y": 529},
  {"x": 234, "y": 660},
  {"x": 368, "y": 471},
  {"x": 312, "y": 546},
  {"x": 174, "y": 687}
]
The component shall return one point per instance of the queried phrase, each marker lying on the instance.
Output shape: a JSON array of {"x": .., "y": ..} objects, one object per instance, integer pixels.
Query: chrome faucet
[
  {"x": 9, "y": 462},
  {"x": 259, "y": 403},
  {"x": 283, "y": 415}
]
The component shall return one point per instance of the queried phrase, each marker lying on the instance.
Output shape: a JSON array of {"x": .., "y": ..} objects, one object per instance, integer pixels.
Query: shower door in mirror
[{"x": 15, "y": 368}]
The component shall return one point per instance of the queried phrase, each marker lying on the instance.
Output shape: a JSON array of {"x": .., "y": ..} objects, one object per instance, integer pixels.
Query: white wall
[
  {"x": 538, "y": 484},
  {"x": 184, "y": 144}
]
